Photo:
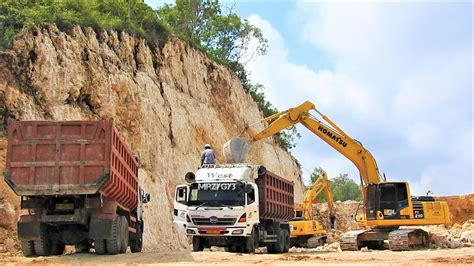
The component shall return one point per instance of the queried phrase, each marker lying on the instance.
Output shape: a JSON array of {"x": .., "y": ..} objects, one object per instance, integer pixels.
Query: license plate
[{"x": 213, "y": 231}]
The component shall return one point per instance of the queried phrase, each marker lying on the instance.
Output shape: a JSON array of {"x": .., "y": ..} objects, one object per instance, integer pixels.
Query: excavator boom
[{"x": 331, "y": 134}]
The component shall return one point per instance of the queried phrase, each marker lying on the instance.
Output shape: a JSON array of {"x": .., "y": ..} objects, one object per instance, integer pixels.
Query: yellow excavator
[
  {"x": 306, "y": 229},
  {"x": 388, "y": 205}
]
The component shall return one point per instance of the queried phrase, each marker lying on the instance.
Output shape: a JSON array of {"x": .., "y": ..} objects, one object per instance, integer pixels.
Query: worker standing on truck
[{"x": 208, "y": 156}]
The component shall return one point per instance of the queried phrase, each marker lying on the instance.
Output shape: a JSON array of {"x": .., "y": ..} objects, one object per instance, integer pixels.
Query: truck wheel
[
  {"x": 279, "y": 245},
  {"x": 236, "y": 249},
  {"x": 113, "y": 243},
  {"x": 28, "y": 249},
  {"x": 233, "y": 249},
  {"x": 249, "y": 243},
  {"x": 198, "y": 244},
  {"x": 123, "y": 234},
  {"x": 270, "y": 248},
  {"x": 43, "y": 244},
  {"x": 57, "y": 248},
  {"x": 286, "y": 236},
  {"x": 99, "y": 246},
  {"x": 137, "y": 242}
]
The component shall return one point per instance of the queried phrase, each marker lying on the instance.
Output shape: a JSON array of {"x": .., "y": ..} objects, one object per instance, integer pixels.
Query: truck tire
[
  {"x": 43, "y": 244},
  {"x": 137, "y": 241},
  {"x": 270, "y": 248},
  {"x": 279, "y": 245},
  {"x": 124, "y": 236},
  {"x": 198, "y": 244},
  {"x": 57, "y": 248},
  {"x": 232, "y": 249},
  {"x": 99, "y": 246},
  {"x": 28, "y": 249},
  {"x": 286, "y": 236},
  {"x": 113, "y": 243},
  {"x": 249, "y": 244}
]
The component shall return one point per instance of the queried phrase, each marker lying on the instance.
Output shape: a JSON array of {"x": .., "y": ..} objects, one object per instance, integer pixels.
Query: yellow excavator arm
[
  {"x": 320, "y": 185},
  {"x": 330, "y": 133}
]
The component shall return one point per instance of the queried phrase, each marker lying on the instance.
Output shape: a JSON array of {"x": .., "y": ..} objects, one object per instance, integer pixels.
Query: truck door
[
  {"x": 252, "y": 204},
  {"x": 181, "y": 207}
]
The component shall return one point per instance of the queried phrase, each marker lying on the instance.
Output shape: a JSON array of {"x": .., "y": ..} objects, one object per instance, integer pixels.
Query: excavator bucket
[{"x": 235, "y": 150}]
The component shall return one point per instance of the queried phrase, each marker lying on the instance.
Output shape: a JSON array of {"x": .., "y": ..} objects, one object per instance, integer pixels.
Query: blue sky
[{"x": 397, "y": 76}]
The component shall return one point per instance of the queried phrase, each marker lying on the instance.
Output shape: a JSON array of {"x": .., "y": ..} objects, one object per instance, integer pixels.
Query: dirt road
[{"x": 441, "y": 256}]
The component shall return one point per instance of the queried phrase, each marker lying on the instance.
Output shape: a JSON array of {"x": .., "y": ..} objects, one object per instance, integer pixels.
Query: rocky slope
[{"x": 166, "y": 101}]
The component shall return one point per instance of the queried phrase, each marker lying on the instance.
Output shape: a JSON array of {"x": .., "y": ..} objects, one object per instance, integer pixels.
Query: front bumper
[{"x": 193, "y": 230}]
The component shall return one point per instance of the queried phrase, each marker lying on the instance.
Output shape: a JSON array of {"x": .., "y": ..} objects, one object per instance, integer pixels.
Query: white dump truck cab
[{"x": 220, "y": 207}]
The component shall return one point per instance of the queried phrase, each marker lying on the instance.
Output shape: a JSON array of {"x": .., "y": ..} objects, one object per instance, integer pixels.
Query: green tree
[
  {"x": 317, "y": 173},
  {"x": 345, "y": 188},
  {"x": 222, "y": 34},
  {"x": 342, "y": 187}
]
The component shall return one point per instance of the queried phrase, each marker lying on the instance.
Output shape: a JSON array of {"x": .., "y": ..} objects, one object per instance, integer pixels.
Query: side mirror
[
  {"x": 261, "y": 170},
  {"x": 146, "y": 198},
  {"x": 248, "y": 188}
]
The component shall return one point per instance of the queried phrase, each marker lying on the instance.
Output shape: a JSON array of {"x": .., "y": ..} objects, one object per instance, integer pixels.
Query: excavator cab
[{"x": 385, "y": 200}]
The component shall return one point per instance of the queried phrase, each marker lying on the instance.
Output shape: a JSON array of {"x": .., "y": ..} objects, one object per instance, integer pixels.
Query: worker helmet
[{"x": 207, "y": 146}]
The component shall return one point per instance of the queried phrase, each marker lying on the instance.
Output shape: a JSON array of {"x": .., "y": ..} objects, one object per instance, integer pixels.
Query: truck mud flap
[
  {"x": 28, "y": 230},
  {"x": 100, "y": 229}
]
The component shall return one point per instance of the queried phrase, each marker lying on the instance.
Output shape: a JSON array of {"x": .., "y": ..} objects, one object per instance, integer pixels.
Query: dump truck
[
  {"x": 236, "y": 206},
  {"x": 78, "y": 183}
]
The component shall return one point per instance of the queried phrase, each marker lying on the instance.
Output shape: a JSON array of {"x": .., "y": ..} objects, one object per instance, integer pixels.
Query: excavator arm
[
  {"x": 320, "y": 185},
  {"x": 329, "y": 133}
]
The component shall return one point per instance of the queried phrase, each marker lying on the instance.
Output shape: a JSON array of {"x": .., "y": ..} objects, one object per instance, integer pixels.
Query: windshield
[{"x": 217, "y": 194}]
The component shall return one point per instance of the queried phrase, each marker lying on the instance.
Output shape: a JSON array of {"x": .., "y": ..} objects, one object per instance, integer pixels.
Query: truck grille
[{"x": 218, "y": 221}]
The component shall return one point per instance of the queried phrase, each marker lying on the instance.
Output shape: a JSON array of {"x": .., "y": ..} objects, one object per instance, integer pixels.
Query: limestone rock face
[{"x": 166, "y": 101}]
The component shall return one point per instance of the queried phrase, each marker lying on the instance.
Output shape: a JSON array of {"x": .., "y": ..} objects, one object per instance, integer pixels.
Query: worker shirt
[{"x": 208, "y": 157}]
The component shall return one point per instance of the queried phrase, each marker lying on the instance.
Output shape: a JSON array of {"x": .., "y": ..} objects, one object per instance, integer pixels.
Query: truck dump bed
[
  {"x": 276, "y": 197},
  {"x": 47, "y": 158}
]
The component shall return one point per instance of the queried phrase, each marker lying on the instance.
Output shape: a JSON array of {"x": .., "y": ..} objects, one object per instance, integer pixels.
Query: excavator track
[
  {"x": 407, "y": 239},
  {"x": 350, "y": 240},
  {"x": 315, "y": 241}
]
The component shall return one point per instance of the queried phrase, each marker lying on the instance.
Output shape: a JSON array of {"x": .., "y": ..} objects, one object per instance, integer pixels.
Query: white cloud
[
  {"x": 400, "y": 82},
  {"x": 284, "y": 78}
]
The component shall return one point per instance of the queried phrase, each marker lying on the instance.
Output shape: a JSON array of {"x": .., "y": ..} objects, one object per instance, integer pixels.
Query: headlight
[
  {"x": 238, "y": 232},
  {"x": 189, "y": 231}
]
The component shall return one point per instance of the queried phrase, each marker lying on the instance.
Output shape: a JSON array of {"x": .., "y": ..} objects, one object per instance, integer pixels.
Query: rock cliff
[{"x": 167, "y": 102}]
